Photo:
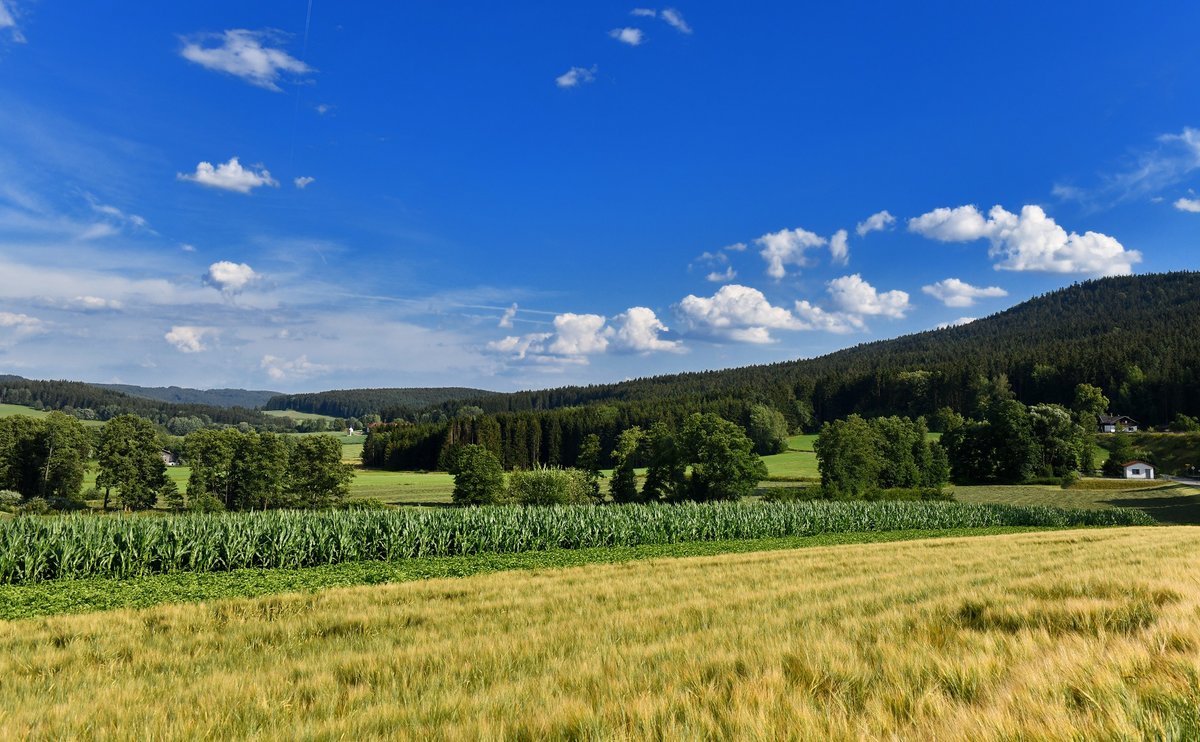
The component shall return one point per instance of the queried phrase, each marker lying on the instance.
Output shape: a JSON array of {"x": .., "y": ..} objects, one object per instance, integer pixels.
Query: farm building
[
  {"x": 1117, "y": 424},
  {"x": 169, "y": 458},
  {"x": 1139, "y": 470}
]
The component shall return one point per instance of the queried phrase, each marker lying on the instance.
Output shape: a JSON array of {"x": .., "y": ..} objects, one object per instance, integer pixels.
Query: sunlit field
[
  {"x": 1166, "y": 502},
  {"x": 1063, "y": 635}
]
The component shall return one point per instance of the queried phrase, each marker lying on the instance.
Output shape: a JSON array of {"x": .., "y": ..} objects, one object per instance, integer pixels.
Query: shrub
[
  {"x": 549, "y": 486},
  {"x": 478, "y": 477}
]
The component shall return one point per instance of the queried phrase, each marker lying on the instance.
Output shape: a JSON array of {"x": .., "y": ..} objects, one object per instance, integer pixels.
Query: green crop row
[{"x": 36, "y": 549}]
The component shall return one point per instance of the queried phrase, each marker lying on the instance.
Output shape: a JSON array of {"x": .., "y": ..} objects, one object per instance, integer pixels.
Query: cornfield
[{"x": 71, "y": 547}]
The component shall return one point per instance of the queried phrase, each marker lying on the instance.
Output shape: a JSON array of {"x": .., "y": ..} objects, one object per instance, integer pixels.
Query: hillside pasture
[
  {"x": 1062, "y": 635},
  {"x": 1167, "y": 502}
]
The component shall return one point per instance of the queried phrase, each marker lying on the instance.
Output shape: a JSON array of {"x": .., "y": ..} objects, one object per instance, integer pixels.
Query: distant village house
[
  {"x": 1117, "y": 424},
  {"x": 169, "y": 458},
  {"x": 1139, "y": 470}
]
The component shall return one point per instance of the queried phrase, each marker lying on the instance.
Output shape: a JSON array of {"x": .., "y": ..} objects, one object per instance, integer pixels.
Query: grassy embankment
[{"x": 1066, "y": 635}]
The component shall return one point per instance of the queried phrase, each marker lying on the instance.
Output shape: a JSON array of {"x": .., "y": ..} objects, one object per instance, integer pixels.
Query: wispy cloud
[
  {"x": 506, "y": 319},
  {"x": 230, "y": 176},
  {"x": 8, "y": 21},
  {"x": 303, "y": 181},
  {"x": 249, "y": 55},
  {"x": 839, "y": 247},
  {"x": 675, "y": 19},
  {"x": 1173, "y": 158},
  {"x": 575, "y": 76}
]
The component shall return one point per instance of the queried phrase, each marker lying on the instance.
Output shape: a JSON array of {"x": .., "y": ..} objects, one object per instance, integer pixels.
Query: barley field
[{"x": 1065, "y": 635}]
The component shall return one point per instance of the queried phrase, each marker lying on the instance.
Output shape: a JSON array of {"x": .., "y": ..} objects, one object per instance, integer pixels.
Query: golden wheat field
[{"x": 1060, "y": 635}]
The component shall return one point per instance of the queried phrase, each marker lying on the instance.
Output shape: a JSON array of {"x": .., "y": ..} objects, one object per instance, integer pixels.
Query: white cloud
[
  {"x": 955, "y": 293},
  {"x": 229, "y": 276},
  {"x": 244, "y": 54},
  {"x": 575, "y": 76},
  {"x": 303, "y": 181},
  {"x": 736, "y": 312},
  {"x": 735, "y": 247},
  {"x": 8, "y": 20},
  {"x": 855, "y": 296},
  {"x": 627, "y": 35},
  {"x": 322, "y": 108},
  {"x": 189, "y": 339},
  {"x": 116, "y": 214},
  {"x": 638, "y": 328},
  {"x": 961, "y": 224},
  {"x": 506, "y": 320},
  {"x": 956, "y": 323},
  {"x": 839, "y": 247},
  {"x": 95, "y": 303},
  {"x": 21, "y": 324},
  {"x": 675, "y": 19},
  {"x": 578, "y": 335},
  {"x": 786, "y": 247},
  {"x": 1030, "y": 241},
  {"x": 644, "y": 12},
  {"x": 814, "y": 318},
  {"x": 230, "y": 176},
  {"x": 521, "y": 346},
  {"x": 720, "y": 277},
  {"x": 876, "y": 222},
  {"x": 280, "y": 369},
  {"x": 187, "y": 247},
  {"x": 1188, "y": 204}
]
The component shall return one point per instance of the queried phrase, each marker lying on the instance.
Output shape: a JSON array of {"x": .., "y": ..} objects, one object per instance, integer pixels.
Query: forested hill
[
  {"x": 248, "y": 398},
  {"x": 89, "y": 401},
  {"x": 1136, "y": 337},
  {"x": 392, "y": 403}
]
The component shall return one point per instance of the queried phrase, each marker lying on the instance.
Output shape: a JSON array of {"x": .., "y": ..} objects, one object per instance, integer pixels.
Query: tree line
[
  {"x": 44, "y": 461},
  {"x": 707, "y": 459}
]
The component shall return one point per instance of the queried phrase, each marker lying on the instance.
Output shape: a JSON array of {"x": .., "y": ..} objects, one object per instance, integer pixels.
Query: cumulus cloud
[
  {"x": 230, "y": 176},
  {"x": 1188, "y": 204},
  {"x": 506, "y": 319},
  {"x": 955, "y": 293},
  {"x": 721, "y": 276},
  {"x": 815, "y": 318},
  {"x": 956, "y": 323},
  {"x": 280, "y": 369},
  {"x": 575, "y": 76},
  {"x": 876, "y": 222},
  {"x": 244, "y": 54},
  {"x": 1030, "y": 241},
  {"x": 303, "y": 181},
  {"x": 736, "y": 312},
  {"x": 189, "y": 339},
  {"x": 839, "y": 247},
  {"x": 638, "y": 328},
  {"x": 627, "y": 35},
  {"x": 786, "y": 247},
  {"x": 578, "y": 335},
  {"x": 229, "y": 276},
  {"x": 853, "y": 295}
]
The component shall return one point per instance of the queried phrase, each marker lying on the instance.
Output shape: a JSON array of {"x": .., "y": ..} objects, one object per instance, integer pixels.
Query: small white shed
[{"x": 1139, "y": 470}]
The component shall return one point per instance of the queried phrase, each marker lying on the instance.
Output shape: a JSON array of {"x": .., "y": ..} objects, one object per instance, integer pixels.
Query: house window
[{"x": 1135, "y": 472}]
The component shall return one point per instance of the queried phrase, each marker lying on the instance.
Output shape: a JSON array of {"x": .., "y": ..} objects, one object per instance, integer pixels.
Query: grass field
[
  {"x": 1166, "y": 502},
  {"x": 8, "y": 410},
  {"x": 799, "y": 462},
  {"x": 298, "y": 416},
  {"x": 1063, "y": 635}
]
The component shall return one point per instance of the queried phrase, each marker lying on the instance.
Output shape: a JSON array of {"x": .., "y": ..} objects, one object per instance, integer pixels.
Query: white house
[
  {"x": 1117, "y": 424},
  {"x": 1139, "y": 470}
]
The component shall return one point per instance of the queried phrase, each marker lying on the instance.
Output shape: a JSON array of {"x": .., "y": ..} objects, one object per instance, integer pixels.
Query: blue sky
[{"x": 302, "y": 196}]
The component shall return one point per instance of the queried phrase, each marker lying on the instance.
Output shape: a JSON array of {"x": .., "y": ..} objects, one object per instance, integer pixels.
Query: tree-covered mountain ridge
[{"x": 1136, "y": 337}]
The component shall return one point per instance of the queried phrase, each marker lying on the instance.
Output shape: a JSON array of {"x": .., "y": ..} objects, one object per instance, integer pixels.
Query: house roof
[
  {"x": 1114, "y": 419},
  {"x": 1143, "y": 463}
]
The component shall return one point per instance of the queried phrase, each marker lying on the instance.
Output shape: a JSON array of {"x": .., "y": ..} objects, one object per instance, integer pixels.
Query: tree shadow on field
[{"x": 1180, "y": 510}]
